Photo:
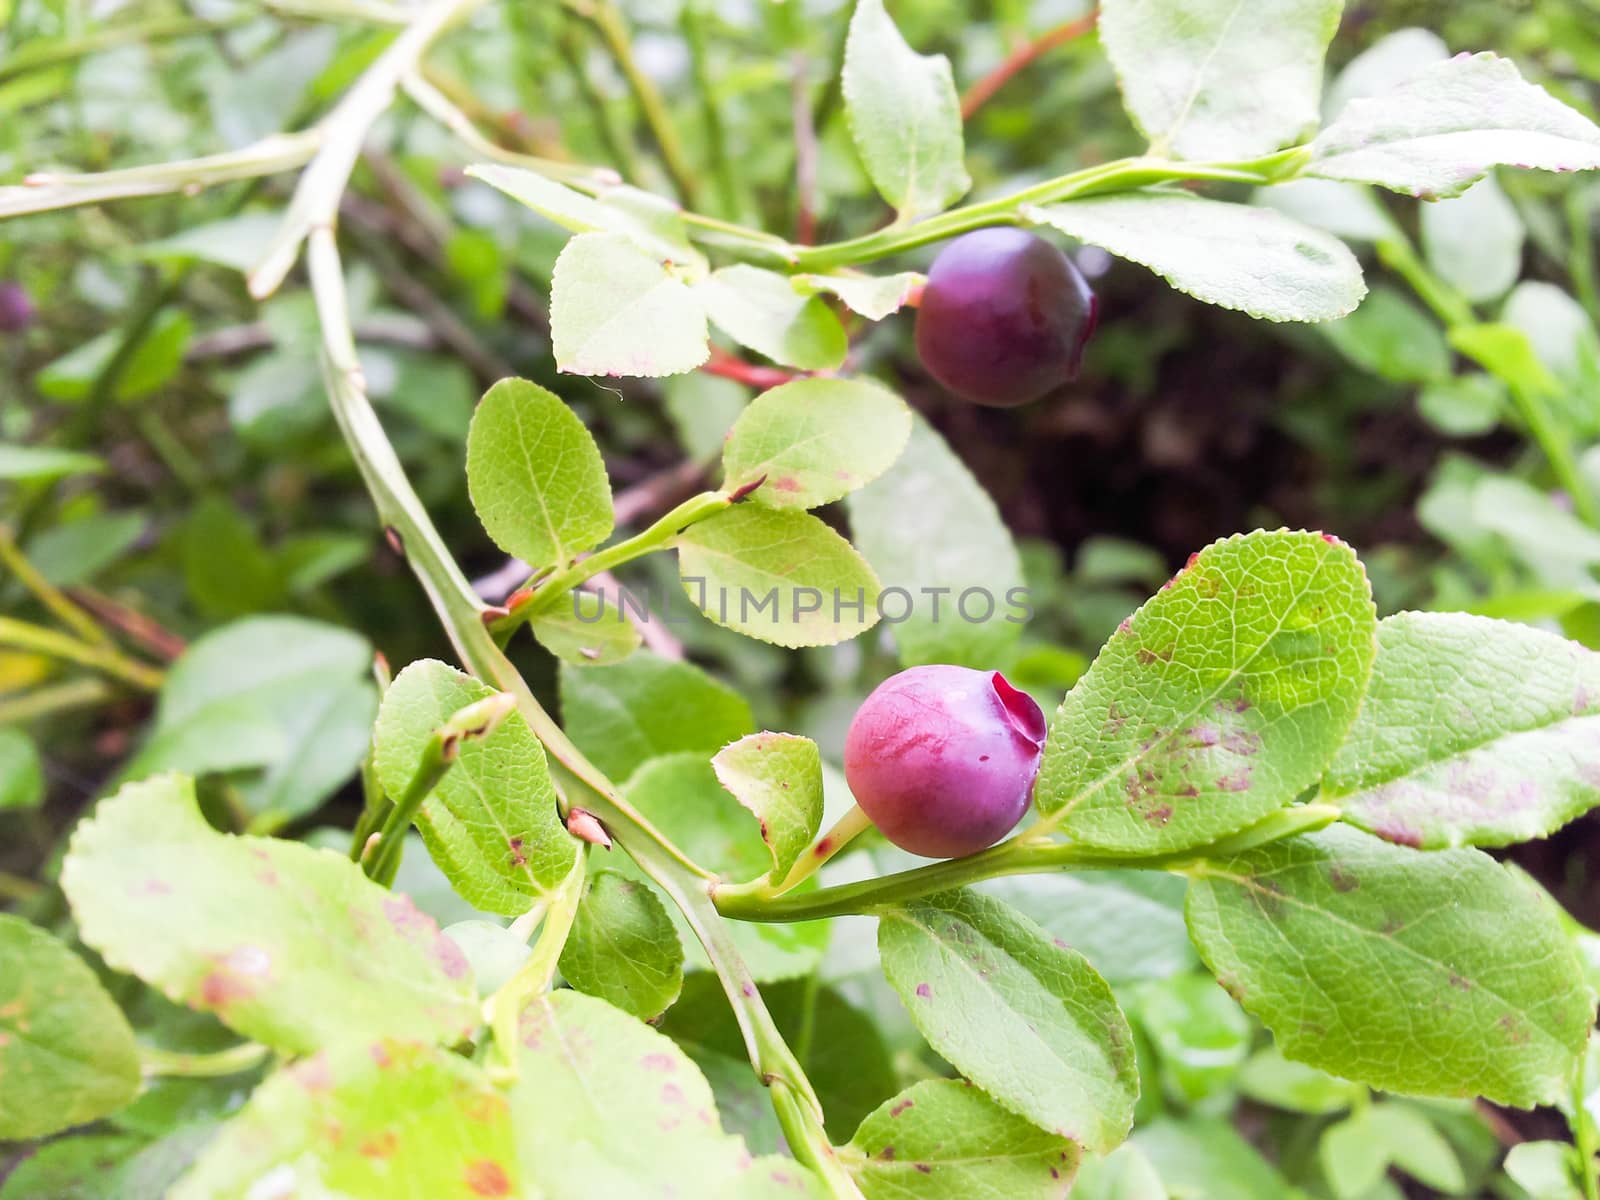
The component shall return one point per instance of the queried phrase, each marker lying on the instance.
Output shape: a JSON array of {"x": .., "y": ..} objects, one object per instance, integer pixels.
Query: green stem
[
  {"x": 1580, "y": 259},
  {"x": 23, "y": 635},
  {"x": 1557, "y": 449},
  {"x": 657, "y": 537},
  {"x": 1121, "y": 175},
  {"x": 155, "y": 1061},
  {"x": 1024, "y": 854},
  {"x": 52, "y": 597},
  {"x": 613, "y": 31},
  {"x": 37, "y": 56},
  {"x": 535, "y": 975},
  {"x": 47, "y": 701},
  {"x": 383, "y": 861},
  {"x": 15, "y": 887},
  {"x": 1448, "y": 305},
  {"x": 569, "y": 44}
]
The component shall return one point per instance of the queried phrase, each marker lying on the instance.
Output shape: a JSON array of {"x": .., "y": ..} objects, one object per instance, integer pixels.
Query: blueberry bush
[{"x": 822, "y": 834}]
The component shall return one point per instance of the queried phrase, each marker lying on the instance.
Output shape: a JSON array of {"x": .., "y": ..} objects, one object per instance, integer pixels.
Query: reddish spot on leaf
[
  {"x": 658, "y": 1062},
  {"x": 924, "y": 1168},
  {"x": 887, "y": 1154},
  {"x": 786, "y": 483},
  {"x": 518, "y": 858},
  {"x": 1239, "y": 781},
  {"x": 825, "y": 845},
  {"x": 380, "y": 1145},
  {"x": 380, "y": 1054},
  {"x": 406, "y": 917},
  {"x": 313, "y": 1075},
  {"x": 155, "y": 887},
  {"x": 924, "y": 990},
  {"x": 1343, "y": 879},
  {"x": 488, "y": 1178},
  {"x": 901, "y": 1107},
  {"x": 672, "y": 1094}
]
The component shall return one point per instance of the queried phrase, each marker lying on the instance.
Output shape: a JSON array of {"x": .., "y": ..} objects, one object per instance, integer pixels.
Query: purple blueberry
[
  {"x": 1004, "y": 317},
  {"x": 16, "y": 310},
  {"x": 942, "y": 759}
]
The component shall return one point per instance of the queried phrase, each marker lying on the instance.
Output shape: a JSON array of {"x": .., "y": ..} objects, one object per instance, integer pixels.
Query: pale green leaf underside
[
  {"x": 779, "y": 575},
  {"x": 1436, "y": 974},
  {"x": 1473, "y": 732},
  {"x": 491, "y": 824},
  {"x": 1220, "y": 700},
  {"x": 1239, "y": 256},
  {"x": 369, "y": 1118},
  {"x": 1220, "y": 79},
  {"x": 606, "y": 1106},
  {"x": 287, "y": 944},
  {"x": 943, "y": 1139},
  {"x": 812, "y": 441},
  {"x": 764, "y": 311},
  {"x": 67, "y": 1055},
  {"x": 614, "y": 310},
  {"x": 871, "y": 296},
  {"x": 1022, "y": 1015},
  {"x": 1439, "y": 132},
  {"x": 778, "y": 777},
  {"x": 622, "y": 715},
  {"x": 623, "y": 947},
  {"x": 904, "y": 115},
  {"x": 535, "y": 474},
  {"x": 927, "y": 524}
]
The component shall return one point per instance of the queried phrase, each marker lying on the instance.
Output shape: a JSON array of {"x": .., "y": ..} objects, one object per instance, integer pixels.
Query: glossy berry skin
[
  {"x": 943, "y": 759},
  {"x": 1003, "y": 318},
  {"x": 16, "y": 310}
]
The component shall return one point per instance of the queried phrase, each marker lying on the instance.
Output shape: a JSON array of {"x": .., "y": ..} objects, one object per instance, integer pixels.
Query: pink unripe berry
[{"x": 943, "y": 759}]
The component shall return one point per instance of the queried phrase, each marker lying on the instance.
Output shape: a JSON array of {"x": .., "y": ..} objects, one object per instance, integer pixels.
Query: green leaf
[
  {"x": 1270, "y": 1078},
  {"x": 766, "y": 312},
  {"x": 67, "y": 1055},
  {"x": 1464, "y": 405},
  {"x": 75, "y": 552},
  {"x": 21, "y": 771},
  {"x": 1220, "y": 700},
  {"x": 1024, "y": 1018},
  {"x": 1474, "y": 732},
  {"x": 1128, "y": 924},
  {"x": 904, "y": 115},
  {"x": 1383, "y": 66},
  {"x": 1194, "y": 78},
  {"x": 1420, "y": 1150},
  {"x": 491, "y": 823},
  {"x": 623, "y": 947},
  {"x": 814, "y": 440},
  {"x": 287, "y": 944},
  {"x": 1354, "y": 1154},
  {"x": 233, "y": 242},
  {"x": 871, "y": 296},
  {"x": 494, "y": 952},
  {"x": 1124, "y": 1174},
  {"x": 1337, "y": 941},
  {"x": 1566, "y": 343},
  {"x": 778, "y": 777},
  {"x": 34, "y": 464},
  {"x": 659, "y": 234},
  {"x": 1346, "y": 210},
  {"x": 839, "y": 1046},
  {"x": 156, "y": 359},
  {"x": 1449, "y": 125},
  {"x": 587, "y": 628},
  {"x": 1392, "y": 337},
  {"x": 373, "y": 1118},
  {"x": 228, "y": 572},
  {"x": 679, "y": 794},
  {"x": 1206, "y": 1156},
  {"x": 535, "y": 475},
  {"x": 606, "y": 1106},
  {"x": 1234, "y": 255},
  {"x": 779, "y": 575},
  {"x": 928, "y": 527},
  {"x": 622, "y": 715},
  {"x": 943, "y": 1139},
  {"x": 1545, "y": 1170},
  {"x": 1200, "y": 1035},
  {"x": 71, "y": 1168},
  {"x": 1474, "y": 242},
  {"x": 283, "y": 693},
  {"x": 614, "y": 310}
]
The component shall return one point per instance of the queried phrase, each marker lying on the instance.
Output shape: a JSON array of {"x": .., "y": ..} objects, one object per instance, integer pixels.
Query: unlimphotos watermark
[{"x": 891, "y": 605}]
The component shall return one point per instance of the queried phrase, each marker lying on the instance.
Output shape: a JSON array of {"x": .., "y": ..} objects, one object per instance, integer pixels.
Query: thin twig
[
  {"x": 53, "y": 598},
  {"x": 234, "y": 341},
  {"x": 654, "y": 633},
  {"x": 729, "y": 366},
  {"x": 85, "y": 692},
  {"x": 147, "y": 631},
  {"x": 693, "y": 22},
  {"x": 976, "y": 96},
  {"x": 656, "y": 493}
]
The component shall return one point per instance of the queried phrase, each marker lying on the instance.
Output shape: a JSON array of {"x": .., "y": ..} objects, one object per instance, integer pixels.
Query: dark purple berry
[
  {"x": 16, "y": 310},
  {"x": 1003, "y": 318},
  {"x": 942, "y": 759}
]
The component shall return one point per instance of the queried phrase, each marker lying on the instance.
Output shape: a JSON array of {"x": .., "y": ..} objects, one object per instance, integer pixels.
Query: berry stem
[
  {"x": 844, "y": 831},
  {"x": 982, "y": 91}
]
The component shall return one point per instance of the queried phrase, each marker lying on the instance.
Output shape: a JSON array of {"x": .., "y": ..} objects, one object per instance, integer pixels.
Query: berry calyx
[
  {"x": 1004, "y": 317},
  {"x": 942, "y": 759}
]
